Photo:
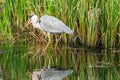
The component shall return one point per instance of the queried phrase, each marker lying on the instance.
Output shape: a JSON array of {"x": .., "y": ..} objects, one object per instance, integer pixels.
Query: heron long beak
[{"x": 28, "y": 22}]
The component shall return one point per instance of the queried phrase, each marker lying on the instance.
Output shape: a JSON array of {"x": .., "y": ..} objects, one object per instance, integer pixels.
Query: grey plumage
[
  {"x": 50, "y": 74},
  {"x": 50, "y": 24},
  {"x": 53, "y": 25}
]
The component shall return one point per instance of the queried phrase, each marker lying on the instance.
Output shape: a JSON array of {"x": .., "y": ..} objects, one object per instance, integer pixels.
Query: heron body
[{"x": 49, "y": 24}]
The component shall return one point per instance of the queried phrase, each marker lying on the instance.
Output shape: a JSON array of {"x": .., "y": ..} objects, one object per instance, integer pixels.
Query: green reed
[
  {"x": 96, "y": 23},
  {"x": 110, "y": 13},
  {"x": 5, "y": 21}
]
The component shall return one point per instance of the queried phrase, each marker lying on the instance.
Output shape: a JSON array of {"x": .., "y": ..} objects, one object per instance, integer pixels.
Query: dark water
[{"x": 17, "y": 62}]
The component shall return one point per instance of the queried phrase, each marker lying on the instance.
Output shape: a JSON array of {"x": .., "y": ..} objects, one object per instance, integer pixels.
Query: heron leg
[
  {"x": 44, "y": 50},
  {"x": 57, "y": 41},
  {"x": 48, "y": 41}
]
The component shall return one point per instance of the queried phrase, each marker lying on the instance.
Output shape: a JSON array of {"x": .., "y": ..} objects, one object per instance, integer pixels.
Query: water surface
[{"x": 18, "y": 61}]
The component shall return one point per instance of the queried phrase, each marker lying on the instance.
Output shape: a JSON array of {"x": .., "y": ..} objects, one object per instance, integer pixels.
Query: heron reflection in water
[
  {"x": 50, "y": 74},
  {"x": 49, "y": 25}
]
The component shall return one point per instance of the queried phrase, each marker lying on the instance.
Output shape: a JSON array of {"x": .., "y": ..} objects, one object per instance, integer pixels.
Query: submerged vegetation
[{"x": 96, "y": 23}]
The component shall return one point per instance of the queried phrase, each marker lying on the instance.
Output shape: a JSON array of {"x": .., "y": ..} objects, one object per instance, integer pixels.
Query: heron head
[
  {"x": 36, "y": 74},
  {"x": 33, "y": 19}
]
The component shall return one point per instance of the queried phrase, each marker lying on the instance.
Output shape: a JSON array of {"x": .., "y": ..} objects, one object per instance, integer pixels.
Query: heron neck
[
  {"x": 35, "y": 77},
  {"x": 36, "y": 25}
]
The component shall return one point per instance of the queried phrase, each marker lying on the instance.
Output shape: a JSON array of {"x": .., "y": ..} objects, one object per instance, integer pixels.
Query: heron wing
[{"x": 53, "y": 25}]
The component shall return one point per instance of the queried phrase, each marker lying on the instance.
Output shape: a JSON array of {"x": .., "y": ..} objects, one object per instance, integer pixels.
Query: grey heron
[
  {"x": 49, "y": 24},
  {"x": 50, "y": 74}
]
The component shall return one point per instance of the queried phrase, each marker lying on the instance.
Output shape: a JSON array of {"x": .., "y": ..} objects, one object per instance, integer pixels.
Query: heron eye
[{"x": 31, "y": 16}]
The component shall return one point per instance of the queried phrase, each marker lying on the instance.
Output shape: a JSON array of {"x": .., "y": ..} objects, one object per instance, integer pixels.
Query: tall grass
[
  {"x": 110, "y": 23},
  {"x": 5, "y": 21},
  {"x": 95, "y": 23}
]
